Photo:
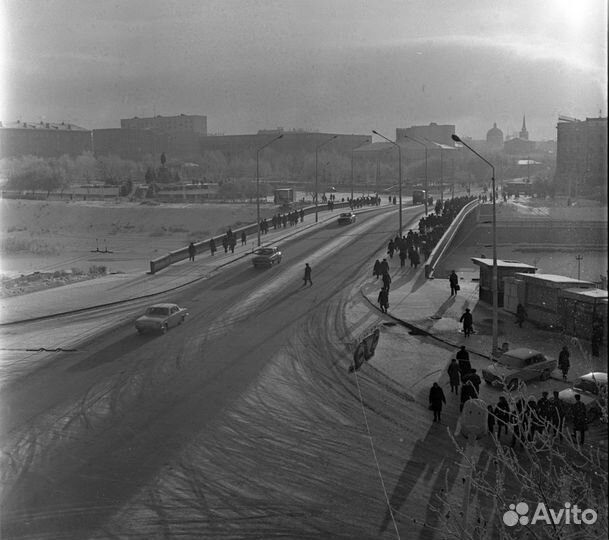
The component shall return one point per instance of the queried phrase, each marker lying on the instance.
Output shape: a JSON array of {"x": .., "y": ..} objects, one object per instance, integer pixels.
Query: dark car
[
  {"x": 592, "y": 389},
  {"x": 266, "y": 256},
  {"x": 346, "y": 218}
]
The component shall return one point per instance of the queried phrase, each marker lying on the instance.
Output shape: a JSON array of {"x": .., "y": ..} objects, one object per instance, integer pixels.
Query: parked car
[
  {"x": 160, "y": 318},
  {"x": 266, "y": 256},
  {"x": 592, "y": 387},
  {"x": 346, "y": 218},
  {"x": 518, "y": 365}
]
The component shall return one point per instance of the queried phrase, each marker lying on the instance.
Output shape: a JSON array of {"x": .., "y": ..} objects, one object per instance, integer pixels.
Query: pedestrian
[
  {"x": 463, "y": 359},
  {"x": 453, "y": 375},
  {"x": 544, "y": 410},
  {"x": 453, "y": 279},
  {"x": 521, "y": 314},
  {"x": 191, "y": 251},
  {"x": 232, "y": 242},
  {"x": 563, "y": 362},
  {"x": 436, "y": 399},
  {"x": 244, "y": 237},
  {"x": 502, "y": 413},
  {"x": 580, "y": 420},
  {"x": 383, "y": 299},
  {"x": 468, "y": 322},
  {"x": 597, "y": 336},
  {"x": 474, "y": 378},
  {"x": 386, "y": 280},
  {"x": 307, "y": 275},
  {"x": 376, "y": 269},
  {"x": 415, "y": 259},
  {"x": 212, "y": 246},
  {"x": 490, "y": 419},
  {"x": 225, "y": 243},
  {"x": 403, "y": 255},
  {"x": 390, "y": 248},
  {"x": 467, "y": 392},
  {"x": 384, "y": 267}
]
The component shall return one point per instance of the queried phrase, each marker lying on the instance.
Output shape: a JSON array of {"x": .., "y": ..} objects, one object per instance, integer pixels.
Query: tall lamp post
[
  {"x": 424, "y": 146},
  {"x": 316, "y": 175},
  {"x": 494, "y": 287},
  {"x": 258, "y": 181},
  {"x": 399, "y": 174}
]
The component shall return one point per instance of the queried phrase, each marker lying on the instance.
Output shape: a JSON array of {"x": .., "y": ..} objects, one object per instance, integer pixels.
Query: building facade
[
  {"x": 433, "y": 132},
  {"x": 43, "y": 139},
  {"x": 193, "y": 123},
  {"x": 581, "y": 157}
]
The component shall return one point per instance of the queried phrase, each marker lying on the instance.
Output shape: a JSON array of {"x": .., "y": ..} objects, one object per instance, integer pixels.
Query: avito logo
[{"x": 569, "y": 514}]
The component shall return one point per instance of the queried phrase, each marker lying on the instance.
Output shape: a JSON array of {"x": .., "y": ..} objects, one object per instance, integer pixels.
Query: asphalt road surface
[{"x": 244, "y": 422}]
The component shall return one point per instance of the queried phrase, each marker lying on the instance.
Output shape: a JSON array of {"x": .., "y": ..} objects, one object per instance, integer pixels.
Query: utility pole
[{"x": 579, "y": 259}]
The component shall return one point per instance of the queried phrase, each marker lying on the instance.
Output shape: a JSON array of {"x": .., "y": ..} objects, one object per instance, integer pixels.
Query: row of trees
[{"x": 331, "y": 169}]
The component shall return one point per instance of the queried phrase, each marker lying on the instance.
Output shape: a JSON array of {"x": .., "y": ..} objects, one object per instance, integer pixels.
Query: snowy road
[{"x": 242, "y": 422}]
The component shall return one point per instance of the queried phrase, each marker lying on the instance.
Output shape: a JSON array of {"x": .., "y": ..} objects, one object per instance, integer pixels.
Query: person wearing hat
[{"x": 468, "y": 322}]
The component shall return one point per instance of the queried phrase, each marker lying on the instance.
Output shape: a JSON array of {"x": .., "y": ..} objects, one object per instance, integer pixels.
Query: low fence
[
  {"x": 201, "y": 247},
  {"x": 447, "y": 238}
]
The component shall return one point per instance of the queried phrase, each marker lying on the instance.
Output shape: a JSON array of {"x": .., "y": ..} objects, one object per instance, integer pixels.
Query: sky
[{"x": 339, "y": 66}]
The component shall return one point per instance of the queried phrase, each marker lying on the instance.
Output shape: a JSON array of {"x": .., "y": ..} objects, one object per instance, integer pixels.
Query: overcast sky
[{"x": 344, "y": 66}]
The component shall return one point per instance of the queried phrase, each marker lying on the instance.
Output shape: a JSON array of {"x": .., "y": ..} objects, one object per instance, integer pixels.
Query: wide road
[{"x": 244, "y": 422}]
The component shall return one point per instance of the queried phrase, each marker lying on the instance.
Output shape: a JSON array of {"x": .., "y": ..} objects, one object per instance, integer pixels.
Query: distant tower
[{"x": 524, "y": 134}]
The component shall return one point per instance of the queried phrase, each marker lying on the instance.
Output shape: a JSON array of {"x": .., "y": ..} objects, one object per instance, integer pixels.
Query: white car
[
  {"x": 160, "y": 318},
  {"x": 592, "y": 389},
  {"x": 266, "y": 256},
  {"x": 518, "y": 365}
]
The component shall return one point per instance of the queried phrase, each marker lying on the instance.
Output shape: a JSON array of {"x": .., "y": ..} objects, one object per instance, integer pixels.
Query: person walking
[
  {"x": 474, "y": 378},
  {"x": 563, "y": 362},
  {"x": 463, "y": 359},
  {"x": 468, "y": 323},
  {"x": 467, "y": 392},
  {"x": 454, "y": 376},
  {"x": 384, "y": 267},
  {"x": 453, "y": 279},
  {"x": 307, "y": 275},
  {"x": 557, "y": 414},
  {"x": 376, "y": 269},
  {"x": 403, "y": 255},
  {"x": 212, "y": 246},
  {"x": 383, "y": 299},
  {"x": 521, "y": 315},
  {"x": 436, "y": 399},
  {"x": 191, "y": 251},
  {"x": 502, "y": 413},
  {"x": 386, "y": 280},
  {"x": 580, "y": 420},
  {"x": 243, "y": 238}
]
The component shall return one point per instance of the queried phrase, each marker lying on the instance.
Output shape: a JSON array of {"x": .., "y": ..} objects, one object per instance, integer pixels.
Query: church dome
[{"x": 494, "y": 136}]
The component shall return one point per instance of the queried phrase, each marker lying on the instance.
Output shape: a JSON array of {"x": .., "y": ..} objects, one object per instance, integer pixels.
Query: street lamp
[
  {"x": 424, "y": 146},
  {"x": 399, "y": 174},
  {"x": 494, "y": 287},
  {"x": 258, "y": 181},
  {"x": 316, "y": 176}
]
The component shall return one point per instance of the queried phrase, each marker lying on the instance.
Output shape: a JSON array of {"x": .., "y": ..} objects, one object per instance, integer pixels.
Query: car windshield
[
  {"x": 157, "y": 311},
  {"x": 264, "y": 251},
  {"x": 345, "y": 215},
  {"x": 588, "y": 385},
  {"x": 511, "y": 361}
]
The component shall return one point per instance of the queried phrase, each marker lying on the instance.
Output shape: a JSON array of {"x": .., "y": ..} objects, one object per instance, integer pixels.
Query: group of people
[{"x": 282, "y": 220}]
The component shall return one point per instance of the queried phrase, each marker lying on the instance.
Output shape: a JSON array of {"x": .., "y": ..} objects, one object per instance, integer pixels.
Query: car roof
[
  {"x": 598, "y": 376},
  {"x": 163, "y": 305},
  {"x": 521, "y": 352}
]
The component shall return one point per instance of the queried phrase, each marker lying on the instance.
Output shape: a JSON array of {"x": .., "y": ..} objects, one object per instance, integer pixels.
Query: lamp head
[
  {"x": 455, "y": 137},
  {"x": 374, "y": 131}
]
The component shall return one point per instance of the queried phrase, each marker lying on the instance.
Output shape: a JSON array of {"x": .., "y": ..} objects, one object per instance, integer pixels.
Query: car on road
[
  {"x": 266, "y": 256},
  {"x": 160, "y": 318},
  {"x": 518, "y": 365},
  {"x": 592, "y": 387},
  {"x": 346, "y": 218}
]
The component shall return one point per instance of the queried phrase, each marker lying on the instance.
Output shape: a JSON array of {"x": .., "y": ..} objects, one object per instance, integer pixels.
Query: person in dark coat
[
  {"x": 474, "y": 378},
  {"x": 563, "y": 362},
  {"x": 243, "y": 238},
  {"x": 403, "y": 255},
  {"x": 191, "y": 251},
  {"x": 436, "y": 399},
  {"x": 386, "y": 280},
  {"x": 307, "y": 275},
  {"x": 463, "y": 360},
  {"x": 490, "y": 419},
  {"x": 376, "y": 269},
  {"x": 580, "y": 419},
  {"x": 384, "y": 267},
  {"x": 212, "y": 246},
  {"x": 468, "y": 322},
  {"x": 453, "y": 279},
  {"x": 502, "y": 413},
  {"x": 390, "y": 248},
  {"x": 557, "y": 414},
  {"x": 521, "y": 314},
  {"x": 467, "y": 392},
  {"x": 454, "y": 376},
  {"x": 225, "y": 243},
  {"x": 383, "y": 299}
]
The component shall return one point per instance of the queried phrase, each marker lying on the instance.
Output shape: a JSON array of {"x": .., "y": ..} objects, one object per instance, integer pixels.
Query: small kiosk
[{"x": 504, "y": 269}]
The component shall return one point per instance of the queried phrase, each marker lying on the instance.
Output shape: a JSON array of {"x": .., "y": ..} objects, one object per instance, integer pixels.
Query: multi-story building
[
  {"x": 43, "y": 139},
  {"x": 133, "y": 144},
  {"x": 193, "y": 123},
  {"x": 433, "y": 132},
  {"x": 581, "y": 157}
]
